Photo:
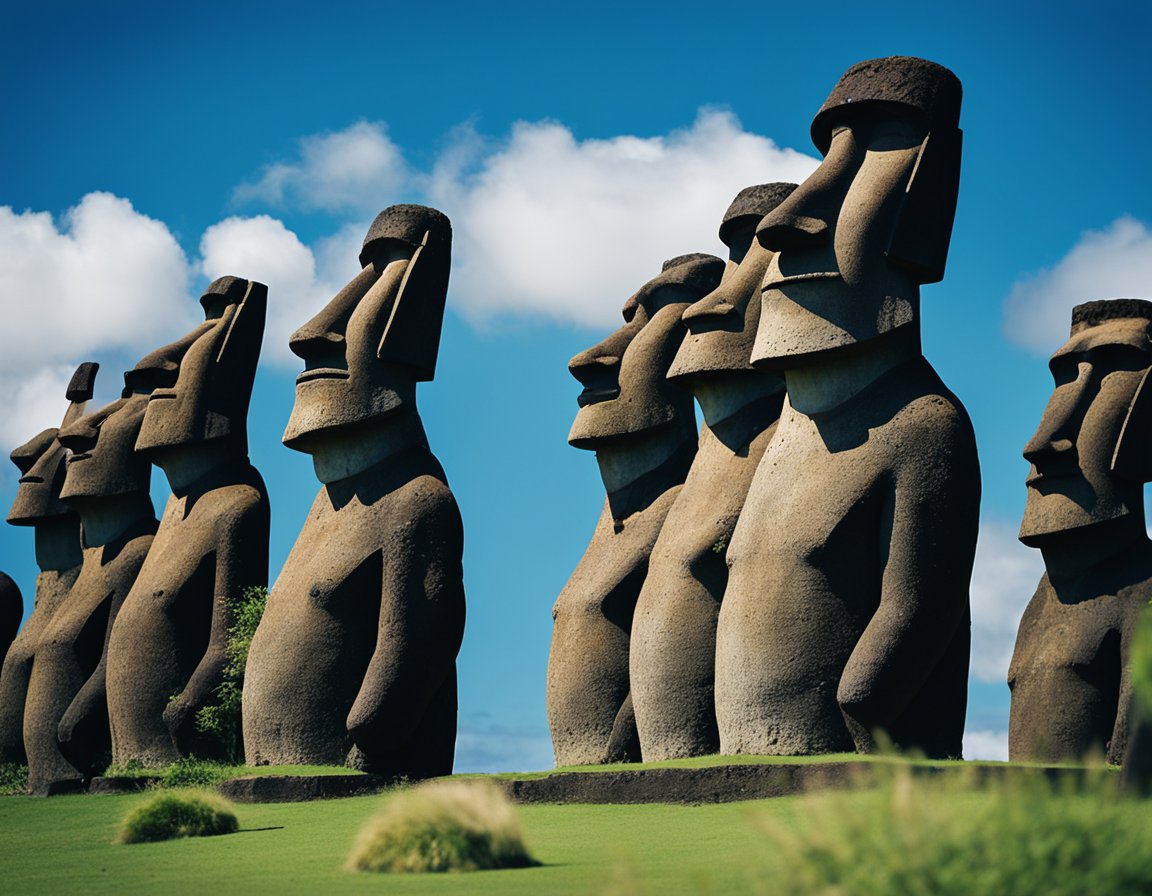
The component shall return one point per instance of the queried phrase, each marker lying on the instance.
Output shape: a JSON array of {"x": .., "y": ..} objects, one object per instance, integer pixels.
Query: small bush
[
  {"x": 13, "y": 778},
  {"x": 192, "y": 772},
  {"x": 443, "y": 826},
  {"x": 178, "y": 814},
  {"x": 1141, "y": 653},
  {"x": 222, "y": 718},
  {"x": 919, "y": 836}
]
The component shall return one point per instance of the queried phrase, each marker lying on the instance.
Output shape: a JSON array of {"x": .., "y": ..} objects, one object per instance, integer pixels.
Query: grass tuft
[
  {"x": 174, "y": 814},
  {"x": 443, "y": 826},
  {"x": 951, "y": 837}
]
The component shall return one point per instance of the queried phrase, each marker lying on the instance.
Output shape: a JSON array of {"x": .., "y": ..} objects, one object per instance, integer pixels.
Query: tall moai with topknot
[
  {"x": 673, "y": 645},
  {"x": 167, "y": 651},
  {"x": 106, "y": 482},
  {"x": 58, "y": 554},
  {"x": 847, "y": 608},
  {"x": 355, "y": 658},
  {"x": 643, "y": 430},
  {"x": 1090, "y": 457}
]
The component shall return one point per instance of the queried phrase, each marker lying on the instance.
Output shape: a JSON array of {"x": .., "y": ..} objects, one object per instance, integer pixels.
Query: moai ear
[
  {"x": 924, "y": 226},
  {"x": 412, "y": 335},
  {"x": 1132, "y": 458}
]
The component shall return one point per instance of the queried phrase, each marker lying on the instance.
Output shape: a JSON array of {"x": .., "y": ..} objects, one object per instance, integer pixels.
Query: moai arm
[
  {"x": 87, "y": 714},
  {"x": 241, "y": 562},
  {"x": 928, "y": 542},
  {"x": 421, "y": 621}
]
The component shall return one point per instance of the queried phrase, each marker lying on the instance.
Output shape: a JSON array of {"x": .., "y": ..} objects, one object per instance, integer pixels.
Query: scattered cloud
[
  {"x": 1104, "y": 264},
  {"x": 103, "y": 282},
  {"x": 549, "y": 225},
  {"x": 1004, "y": 578},
  {"x": 986, "y": 745},
  {"x": 263, "y": 249},
  {"x": 483, "y": 745},
  {"x": 357, "y": 168}
]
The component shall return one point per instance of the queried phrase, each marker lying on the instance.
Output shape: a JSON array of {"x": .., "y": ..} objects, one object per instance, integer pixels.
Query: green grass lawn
[{"x": 63, "y": 845}]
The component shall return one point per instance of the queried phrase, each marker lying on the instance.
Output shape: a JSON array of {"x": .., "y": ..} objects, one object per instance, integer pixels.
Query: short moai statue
[
  {"x": 643, "y": 430},
  {"x": 58, "y": 554},
  {"x": 354, "y": 660},
  {"x": 66, "y": 729},
  {"x": 167, "y": 650},
  {"x": 847, "y": 607},
  {"x": 1090, "y": 456},
  {"x": 11, "y": 612},
  {"x": 673, "y": 646}
]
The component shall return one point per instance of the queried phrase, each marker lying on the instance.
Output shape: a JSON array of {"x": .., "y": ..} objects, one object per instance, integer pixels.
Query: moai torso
[
  {"x": 358, "y": 646},
  {"x": 835, "y": 534}
]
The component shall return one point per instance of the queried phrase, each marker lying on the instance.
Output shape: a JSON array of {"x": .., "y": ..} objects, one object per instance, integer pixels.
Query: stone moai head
[
  {"x": 873, "y": 222},
  {"x": 41, "y": 460},
  {"x": 722, "y": 325},
  {"x": 1093, "y": 449},
  {"x": 103, "y": 461},
  {"x": 203, "y": 382},
  {"x": 365, "y": 352},
  {"x": 626, "y": 390}
]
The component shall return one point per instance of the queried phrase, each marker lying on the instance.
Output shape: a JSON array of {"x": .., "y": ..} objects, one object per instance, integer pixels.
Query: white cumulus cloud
[
  {"x": 986, "y": 745},
  {"x": 262, "y": 248},
  {"x": 548, "y": 225},
  {"x": 356, "y": 168},
  {"x": 103, "y": 283},
  {"x": 1104, "y": 264},
  {"x": 1004, "y": 578}
]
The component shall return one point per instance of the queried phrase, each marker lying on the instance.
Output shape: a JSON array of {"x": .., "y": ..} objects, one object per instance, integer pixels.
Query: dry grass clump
[
  {"x": 940, "y": 838},
  {"x": 174, "y": 814},
  {"x": 443, "y": 826}
]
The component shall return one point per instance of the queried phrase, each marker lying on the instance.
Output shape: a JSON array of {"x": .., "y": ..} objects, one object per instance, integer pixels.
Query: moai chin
[
  {"x": 166, "y": 653},
  {"x": 673, "y": 644},
  {"x": 1090, "y": 456},
  {"x": 355, "y": 658},
  {"x": 58, "y": 554},
  {"x": 106, "y": 482},
  {"x": 643, "y": 431},
  {"x": 847, "y": 610}
]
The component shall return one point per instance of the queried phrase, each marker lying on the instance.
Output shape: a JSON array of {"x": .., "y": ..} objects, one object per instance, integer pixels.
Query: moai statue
[
  {"x": 673, "y": 646},
  {"x": 643, "y": 431},
  {"x": 167, "y": 651},
  {"x": 1085, "y": 512},
  {"x": 11, "y": 612},
  {"x": 355, "y": 658},
  {"x": 847, "y": 609},
  {"x": 66, "y": 715},
  {"x": 58, "y": 554}
]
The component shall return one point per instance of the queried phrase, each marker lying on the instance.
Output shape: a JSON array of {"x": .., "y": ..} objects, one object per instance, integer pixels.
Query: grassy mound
[
  {"x": 922, "y": 836},
  {"x": 443, "y": 826},
  {"x": 178, "y": 814}
]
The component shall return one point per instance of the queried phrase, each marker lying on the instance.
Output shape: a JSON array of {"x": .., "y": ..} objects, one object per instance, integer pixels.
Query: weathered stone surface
[
  {"x": 1071, "y": 690},
  {"x": 847, "y": 607},
  {"x": 166, "y": 654},
  {"x": 643, "y": 431},
  {"x": 673, "y": 645},
  {"x": 11, "y": 611},
  {"x": 66, "y": 732},
  {"x": 301, "y": 788},
  {"x": 58, "y": 554},
  {"x": 355, "y": 658}
]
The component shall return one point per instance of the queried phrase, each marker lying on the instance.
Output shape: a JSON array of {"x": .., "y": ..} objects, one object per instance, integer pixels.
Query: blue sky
[{"x": 146, "y": 148}]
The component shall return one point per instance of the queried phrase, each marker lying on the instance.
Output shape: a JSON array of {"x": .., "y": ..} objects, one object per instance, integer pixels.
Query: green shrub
[
  {"x": 13, "y": 778},
  {"x": 222, "y": 718},
  {"x": 173, "y": 814},
  {"x": 443, "y": 826},
  {"x": 917, "y": 836},
  {"x": 1142, "y": 662}
]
